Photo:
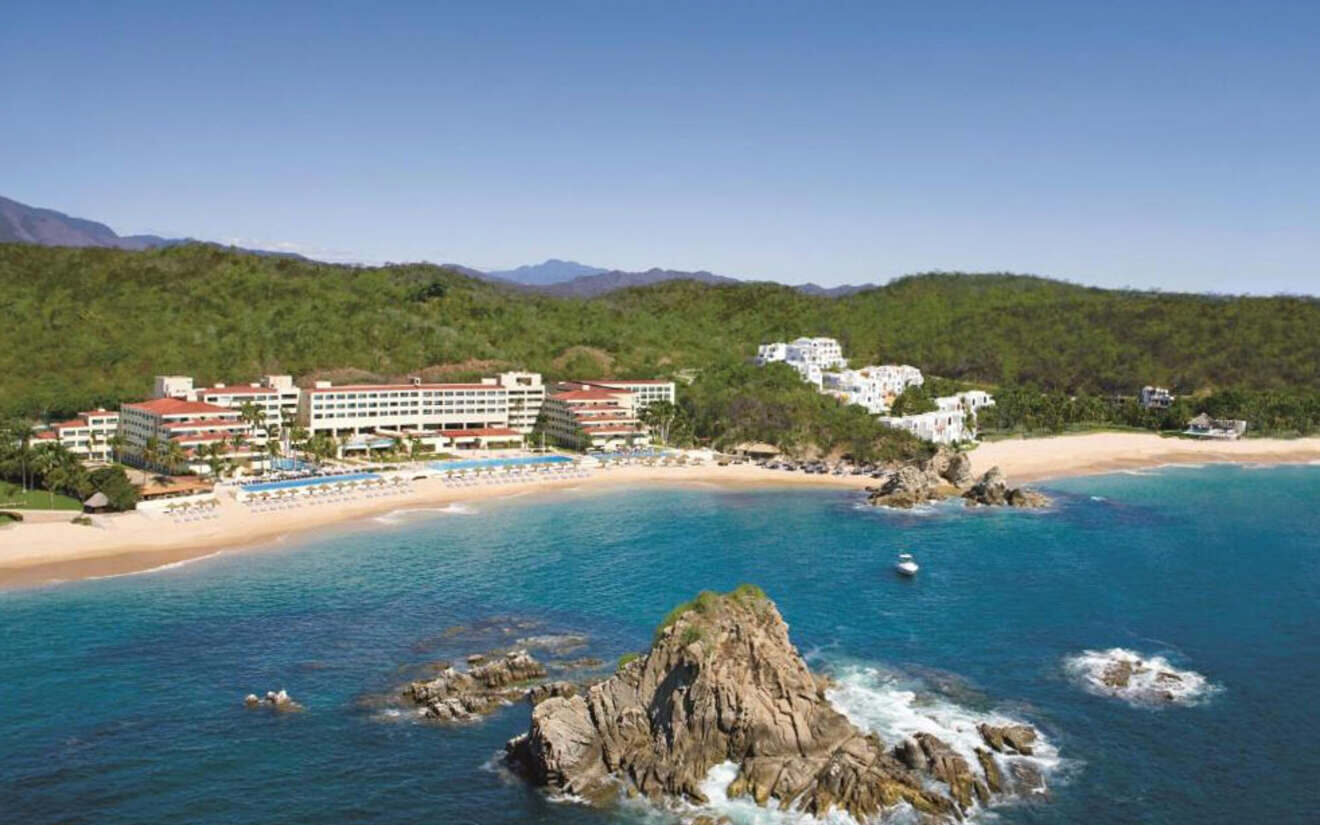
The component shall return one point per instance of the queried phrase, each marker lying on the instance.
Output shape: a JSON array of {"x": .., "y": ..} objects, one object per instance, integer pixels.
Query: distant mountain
[
  {"x": 552, "y": 271},
  {"x": 834, "y": 291},
  {"x": 20, "y": 223},
  {"x": 589, "y": 286}
]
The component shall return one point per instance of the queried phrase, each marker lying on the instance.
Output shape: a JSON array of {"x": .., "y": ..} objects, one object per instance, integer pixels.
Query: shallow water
[{"x": 120, "y": 699}]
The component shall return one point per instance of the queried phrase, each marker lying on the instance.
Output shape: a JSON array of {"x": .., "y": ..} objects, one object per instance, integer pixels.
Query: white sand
[{"x": 34, "y": 553}]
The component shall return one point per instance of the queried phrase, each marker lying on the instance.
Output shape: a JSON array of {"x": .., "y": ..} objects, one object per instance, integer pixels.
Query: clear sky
[{"x": 1169, "y": 145}]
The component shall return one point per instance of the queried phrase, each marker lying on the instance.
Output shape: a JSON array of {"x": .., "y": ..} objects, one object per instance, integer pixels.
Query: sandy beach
[{"x": 40, "y": 553}]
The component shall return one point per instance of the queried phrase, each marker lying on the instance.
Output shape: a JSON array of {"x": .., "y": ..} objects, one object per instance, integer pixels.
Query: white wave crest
[
  {"x": 455, "y": 509},
  {"x": 893, "y": 708},
  {"x": 174, "y": 565},
  {"x": 878, "y": 701},
  {"x": 1146, "y": 681}
]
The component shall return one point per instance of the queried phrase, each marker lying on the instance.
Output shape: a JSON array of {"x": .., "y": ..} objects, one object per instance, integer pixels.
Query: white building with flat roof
[
  {"x": 939, "y": 427},
  {"x": 874, "y": 387},
  {"x": 356, "y": 408},
  {"x": 526, "y": 394},
  {"x": 1156, "y": 398},
  {"x": 971, "y": 401},
  {"x": 811, "y": 357}
]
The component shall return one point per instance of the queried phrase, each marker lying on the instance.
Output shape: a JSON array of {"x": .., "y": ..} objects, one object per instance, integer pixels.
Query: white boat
[{"x": 906, "y": 566}]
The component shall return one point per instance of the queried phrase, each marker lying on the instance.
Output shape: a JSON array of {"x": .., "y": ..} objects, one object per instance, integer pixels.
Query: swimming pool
[
  {"x": 485, "y": 463},
  {"x": 292, "y": 483}
]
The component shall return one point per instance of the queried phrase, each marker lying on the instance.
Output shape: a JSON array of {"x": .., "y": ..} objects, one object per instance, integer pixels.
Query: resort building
[
  {"x": 939, "y": 427},
  {"x": 644, "y": 391},
  {"x": 1156, "y": 398},
  {"x": 811, "y": 357},
  {"x": 193, "y": 425},
  {"x": 1226, "y": 429},
  {"x": 275, "y": 395},
  {"x": 872, "y": 387},
  {"x": 354, "y": 409},
  {"x": 593, "y": 418},
  {"x": 971, "y": 401},
  {"x": 526, "y": 394},
  {"x": 87, "y": 436}
]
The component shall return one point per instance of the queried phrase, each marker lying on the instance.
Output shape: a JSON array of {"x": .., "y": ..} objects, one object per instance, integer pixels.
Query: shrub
[{"x": 626, "y": 658}]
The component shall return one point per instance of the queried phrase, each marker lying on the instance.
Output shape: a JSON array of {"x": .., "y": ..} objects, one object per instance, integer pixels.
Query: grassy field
[{"x": 13, "y": 498}]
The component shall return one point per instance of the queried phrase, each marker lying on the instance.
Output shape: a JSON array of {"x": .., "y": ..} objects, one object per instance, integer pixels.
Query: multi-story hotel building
[
  {"x": 193, "y": 425},
  {"x": 353, "y": 409},
  {"x": 593, "y": 418},
  {"x": 526, "y": 394},
  {"x": 87, "y": 436},
  {"x": 275, "y": 395},
  {"x": 645, "y": 391}
]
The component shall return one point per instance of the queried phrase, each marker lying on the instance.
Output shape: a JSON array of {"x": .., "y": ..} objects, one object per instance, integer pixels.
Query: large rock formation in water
[
  {"x": 723, "y": 683},
  {"x": 993, "y": 490},
  {"x": 919, "y": 482}
]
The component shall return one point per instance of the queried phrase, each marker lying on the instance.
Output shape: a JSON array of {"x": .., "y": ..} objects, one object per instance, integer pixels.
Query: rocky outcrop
[
  {"x": 274, "y": 699},
  {"x": 457, "y": 695},
  {"x": 905, "y": 488},
  {"x": 920, "y": 482},
  {"x": 993, "y": 491},
  {"x": 723, "y": 683},
  {"x": 1009, "y": 738}
]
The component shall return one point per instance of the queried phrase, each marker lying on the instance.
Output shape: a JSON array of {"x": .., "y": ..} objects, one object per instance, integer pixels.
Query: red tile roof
[{"x": 177, "y": 406}]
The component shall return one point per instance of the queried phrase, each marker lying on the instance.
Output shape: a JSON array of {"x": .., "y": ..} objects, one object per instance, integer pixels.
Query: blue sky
[{"x": 1153, "y": 145}]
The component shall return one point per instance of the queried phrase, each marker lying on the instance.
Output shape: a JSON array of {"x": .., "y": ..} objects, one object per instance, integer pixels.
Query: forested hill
[{"x": 92, "y": 326}]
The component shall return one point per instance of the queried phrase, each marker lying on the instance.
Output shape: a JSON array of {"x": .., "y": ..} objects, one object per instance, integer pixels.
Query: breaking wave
[
  {"x": 455, "y": 509},
  {"x": 894, "y": 707},
  {"x": 1145, "y": 681}
]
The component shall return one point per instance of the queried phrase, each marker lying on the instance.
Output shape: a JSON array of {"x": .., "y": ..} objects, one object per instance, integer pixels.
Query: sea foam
[
  {"x": 1152, "y": 681},
  {"x": 894, "y": 707},
  {"x": 403, "y": 513}
]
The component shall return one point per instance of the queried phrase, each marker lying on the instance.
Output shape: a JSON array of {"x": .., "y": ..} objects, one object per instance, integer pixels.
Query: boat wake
[{"x": 1141, "y": 681}]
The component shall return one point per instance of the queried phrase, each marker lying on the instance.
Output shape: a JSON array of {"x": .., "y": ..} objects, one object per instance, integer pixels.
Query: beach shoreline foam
[{"x": 35, "y": 554}]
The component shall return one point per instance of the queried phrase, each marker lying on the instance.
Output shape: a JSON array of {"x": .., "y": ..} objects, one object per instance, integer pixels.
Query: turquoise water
[
  {"x": 291, "y": 483},
  {"x": 483, "y": 463},
  {"x": 120, "y": 699}
]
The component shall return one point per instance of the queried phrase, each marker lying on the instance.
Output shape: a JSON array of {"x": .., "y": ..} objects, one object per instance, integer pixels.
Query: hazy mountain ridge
[{"x": 20, "y": 223}]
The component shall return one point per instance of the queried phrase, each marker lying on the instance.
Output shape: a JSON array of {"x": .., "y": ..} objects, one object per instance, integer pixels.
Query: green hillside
[{"x": 87, "y": 327}]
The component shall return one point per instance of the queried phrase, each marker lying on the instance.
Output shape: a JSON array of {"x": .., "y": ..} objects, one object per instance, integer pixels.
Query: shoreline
[{"x": 35, "y": 554}]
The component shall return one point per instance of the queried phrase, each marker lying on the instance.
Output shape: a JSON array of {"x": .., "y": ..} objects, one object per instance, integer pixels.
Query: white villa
[
  {"x": 1156, "y": 398},
  {"x": 872, "y": 387},
  {"x": 811, "y": 357},
  {"x": 875, "y": 387}
]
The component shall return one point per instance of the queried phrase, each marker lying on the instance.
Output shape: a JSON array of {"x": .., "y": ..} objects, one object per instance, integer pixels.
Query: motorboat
[{"x": 906, "y": 566}]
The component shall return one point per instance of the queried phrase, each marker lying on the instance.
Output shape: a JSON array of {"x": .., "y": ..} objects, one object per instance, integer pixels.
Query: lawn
[{"x": 12, "y": 497}]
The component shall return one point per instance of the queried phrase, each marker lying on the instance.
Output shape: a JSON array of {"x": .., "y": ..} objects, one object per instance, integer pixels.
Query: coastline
[{"x": 34, "y": 554}]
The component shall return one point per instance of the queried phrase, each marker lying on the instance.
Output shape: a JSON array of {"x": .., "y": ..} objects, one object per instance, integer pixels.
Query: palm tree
[
  {"x": 116, "y": 444},
  {"x": 23, "y": 432},
  {"x": 55, "y": 464},
  {"x": 151, "y": 452},
  {"x": 214, "y": 453},
  {"x": 175, "y": 455}
]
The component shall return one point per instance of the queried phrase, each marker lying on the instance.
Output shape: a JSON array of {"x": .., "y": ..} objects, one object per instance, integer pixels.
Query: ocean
[{"x": 121, "y": 698}]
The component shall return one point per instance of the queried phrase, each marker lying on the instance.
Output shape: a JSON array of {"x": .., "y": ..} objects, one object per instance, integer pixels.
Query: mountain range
[{"x": 20, "y": 223}]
